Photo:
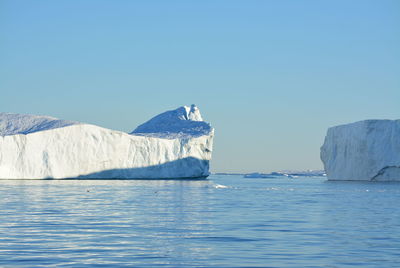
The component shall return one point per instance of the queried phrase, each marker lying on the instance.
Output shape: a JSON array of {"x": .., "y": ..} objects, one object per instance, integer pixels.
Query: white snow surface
[
  {"x": 39, "y": 147},
  {"x": 365, "y": 150},
  {"x": 11, "y": 124}
]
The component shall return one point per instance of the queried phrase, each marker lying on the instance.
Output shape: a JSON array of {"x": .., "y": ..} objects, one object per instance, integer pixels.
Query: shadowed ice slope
[
  {"x": 180, "y": 123},
  {"x": 170, "y": 170}
]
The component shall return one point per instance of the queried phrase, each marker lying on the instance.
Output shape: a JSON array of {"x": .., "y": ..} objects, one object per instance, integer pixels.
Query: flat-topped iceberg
[
  {"x": 174, "y": 144},
  {"x": 288, "y": 173},
  {"x": 365, "y": 150}
]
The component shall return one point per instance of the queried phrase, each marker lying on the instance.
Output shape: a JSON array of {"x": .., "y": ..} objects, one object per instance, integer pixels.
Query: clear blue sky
[{"x": 271, "y": 76}]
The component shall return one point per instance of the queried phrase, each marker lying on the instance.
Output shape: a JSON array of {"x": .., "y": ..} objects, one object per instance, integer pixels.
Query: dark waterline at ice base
[{"x": 225, "y": 221}]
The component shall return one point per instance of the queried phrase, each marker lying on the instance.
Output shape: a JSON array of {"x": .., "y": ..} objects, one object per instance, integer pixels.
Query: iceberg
[
  {"x": 174, "y": 144},
  {"x": 257, "y": 175},
  {"x": 305, "y": 173},
  {"x": 289, "y": 174},
  {"x": 365, "y": 150}
]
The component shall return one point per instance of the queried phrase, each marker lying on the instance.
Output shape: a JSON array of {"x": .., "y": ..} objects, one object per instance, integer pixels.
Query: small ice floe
[
  {"x": 272, "y": 189},
  {"x": 220, "y": 186}
]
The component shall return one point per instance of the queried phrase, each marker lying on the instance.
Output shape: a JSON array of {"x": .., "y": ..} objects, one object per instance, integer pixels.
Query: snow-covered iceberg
[
  {"x": 365, "y": 150},
  {"x": 174, "y": 144}
]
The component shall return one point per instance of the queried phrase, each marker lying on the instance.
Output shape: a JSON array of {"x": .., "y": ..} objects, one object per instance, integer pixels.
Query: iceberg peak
[
  {"x": 192, "y": 113},
  {"x": 182, "y": 122}
]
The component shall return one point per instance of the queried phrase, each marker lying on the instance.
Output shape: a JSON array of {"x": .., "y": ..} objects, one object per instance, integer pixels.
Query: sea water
[{"x": 225, "y": 221}]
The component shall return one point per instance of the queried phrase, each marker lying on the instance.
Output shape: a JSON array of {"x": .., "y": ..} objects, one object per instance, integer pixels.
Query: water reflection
[
  {"x": 227, "y": 221},
  {"x": 103, "y": 221}
]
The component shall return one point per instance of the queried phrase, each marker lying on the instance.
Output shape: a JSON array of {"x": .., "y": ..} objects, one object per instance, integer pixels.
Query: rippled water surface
[{"x": 225, "y": 221}]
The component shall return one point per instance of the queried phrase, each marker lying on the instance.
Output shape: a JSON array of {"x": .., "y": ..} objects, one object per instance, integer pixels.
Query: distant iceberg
[
  {"x": 257, "y": 175},
  {"x": 304, "y": 173},
  {"x": 365, "y": 150},
  {"x": 289, "y": 174},
  {"x": 174, "y": 144}
]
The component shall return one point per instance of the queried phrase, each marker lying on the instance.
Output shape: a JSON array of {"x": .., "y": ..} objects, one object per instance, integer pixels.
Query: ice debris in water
[{"x": 220, "y": 186}]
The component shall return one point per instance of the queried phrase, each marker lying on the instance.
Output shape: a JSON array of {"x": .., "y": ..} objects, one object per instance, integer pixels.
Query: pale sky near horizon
[{"x": 270, "y": 76}]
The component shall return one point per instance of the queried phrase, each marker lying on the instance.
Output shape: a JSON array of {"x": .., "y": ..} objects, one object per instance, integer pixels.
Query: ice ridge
[{"x": 179, "y": 123}]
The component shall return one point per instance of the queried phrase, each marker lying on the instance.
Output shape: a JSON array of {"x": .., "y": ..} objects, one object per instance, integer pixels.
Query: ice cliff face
[
  {"x": 175, "y": 144},
  {"x": 365, "y": 150}
]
